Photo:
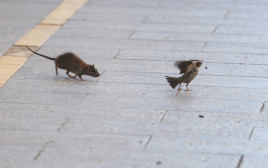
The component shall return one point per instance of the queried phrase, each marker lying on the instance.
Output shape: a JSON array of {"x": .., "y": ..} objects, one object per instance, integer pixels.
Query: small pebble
[
  {"x": 158, "y": 162},
  {"x": 201, "y": 116}
]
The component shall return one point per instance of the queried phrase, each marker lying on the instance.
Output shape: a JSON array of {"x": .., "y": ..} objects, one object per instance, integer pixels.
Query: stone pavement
[{"x": 130, "y": 116}]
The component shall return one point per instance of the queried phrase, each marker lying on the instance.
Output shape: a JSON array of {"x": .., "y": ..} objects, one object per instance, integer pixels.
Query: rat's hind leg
[
  {"x": 70, "y": 75},
  {"x": 80, "y": 76}
]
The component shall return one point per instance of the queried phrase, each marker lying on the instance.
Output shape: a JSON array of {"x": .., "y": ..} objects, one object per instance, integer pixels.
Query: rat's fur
[{"x": 72, "y": 63}]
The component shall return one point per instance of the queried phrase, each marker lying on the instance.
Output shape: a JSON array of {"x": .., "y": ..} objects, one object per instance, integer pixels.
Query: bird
[{"x": 189, "y": 69}]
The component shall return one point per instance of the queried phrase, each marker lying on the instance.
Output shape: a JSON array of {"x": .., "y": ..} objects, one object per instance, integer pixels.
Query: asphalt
[{"x": 130, "y": 116}]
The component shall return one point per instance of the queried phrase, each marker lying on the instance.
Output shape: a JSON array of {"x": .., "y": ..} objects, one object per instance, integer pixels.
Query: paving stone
[
  {"x": 100, "y": 9},
  {"x": 201, "y": 80},
  {"x": 206, "y": 145},
  {"x": 220, "y": 38},
  {"x": 134, "y": 159},
  {"x": 38, "y": 124},
  {"x": 174, "y": 55},
  {"x": 20, "y": 137},
  {"x": 45, "y": 98},
  {"x": 14, "y": 110},
  {"x": 82, "y": 52},
  {"x": 242, "y": 70},
  {"x": 139, "y": 3},
  {"x": 110, "y": 34},
  {"x": 236, "y": 48},
  {"x": 253, "y": 161},
  {"x": 138, "y": 26},
  {"x": 172, "y": 103},
  {"x": 254, "y": 30},
  {"x": 184, "y": 20},
  {"x": 18, "y": 156},
  {"x": 259, "y": 134},
  {"x": 121, "y": 44}
]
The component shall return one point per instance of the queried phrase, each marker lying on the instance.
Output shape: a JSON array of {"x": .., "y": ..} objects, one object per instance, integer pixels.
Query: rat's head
[{"x": 91, "y": 71}]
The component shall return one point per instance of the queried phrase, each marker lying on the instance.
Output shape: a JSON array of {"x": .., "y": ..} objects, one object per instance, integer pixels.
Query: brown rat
[{"x": 72, "y": 63}]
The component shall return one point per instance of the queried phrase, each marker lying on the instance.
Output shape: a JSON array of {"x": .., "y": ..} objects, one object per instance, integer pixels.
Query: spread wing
[{"x": 185, "y": 66}]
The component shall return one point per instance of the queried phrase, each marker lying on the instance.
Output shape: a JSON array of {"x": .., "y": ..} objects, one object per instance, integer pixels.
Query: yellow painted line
[
  {"x": 11, "y": 60},
  {"x": 19, "y": 51},
  {"x": 17, "y": 55},
  {"x": 63, "y": 12},
  {"x": 38, "y": 35},
  {"x": 3, "y": 80}
]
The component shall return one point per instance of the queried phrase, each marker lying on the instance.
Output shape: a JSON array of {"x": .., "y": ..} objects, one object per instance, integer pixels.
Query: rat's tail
[
  {"x": 174, "y": 81},
  {"x": 50, "y": 58}
]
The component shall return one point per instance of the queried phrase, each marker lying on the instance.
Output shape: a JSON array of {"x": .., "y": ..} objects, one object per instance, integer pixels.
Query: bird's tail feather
[{"x": 174, "y": 81}]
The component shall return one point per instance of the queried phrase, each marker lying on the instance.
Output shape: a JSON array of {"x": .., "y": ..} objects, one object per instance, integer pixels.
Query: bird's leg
[
  {"x": 179, "y": 89},
  {"x": 187, "y": 88}
]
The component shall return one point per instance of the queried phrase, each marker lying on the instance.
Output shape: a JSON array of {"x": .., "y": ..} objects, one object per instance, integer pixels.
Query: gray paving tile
[
  {"x": 242, "y": 70},
  {"x": 184, "y": 20},
  {"x": 139, "y": 3},
  {"x": 174, "y": 55},
  {"x": 255, "y": 30},
  {"x": 121, "y": 44},
  {"x": 37, "y": 111},
  {"x": 253, "y": 161},
  {"x": 205, "y": 145},
  {"x": 226, "y": 38},
  {"x": 45, "y": 98},
  {"x": 259, "y": 134},
  {"x": 112, "y": 159},
  {"x": 139, "y": 26},
  {"x": 39, "y": 124},
  {"x": 236, "y": 48},
  {"x": 18, "y": 156},
  {"x": 171, "y": 103},
  {"x": 201, "y": 80},
  {"x": 125, "y": 89},
  {"x": 109, "y": 34},
  {"x": 23, "y": 138}
]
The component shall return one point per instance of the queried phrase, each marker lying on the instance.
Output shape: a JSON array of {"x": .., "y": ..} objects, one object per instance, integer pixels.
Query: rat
[{"x": 72, "y": 63}]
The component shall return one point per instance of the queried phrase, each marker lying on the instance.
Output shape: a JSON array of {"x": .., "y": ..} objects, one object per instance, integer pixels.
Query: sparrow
[{"x": 189, "y": 69}]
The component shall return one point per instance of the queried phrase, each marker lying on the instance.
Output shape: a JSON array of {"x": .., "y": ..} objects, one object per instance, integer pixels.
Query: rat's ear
[
  {"x": 93, "y": 65},
  {"x": 88, "y": 66}
]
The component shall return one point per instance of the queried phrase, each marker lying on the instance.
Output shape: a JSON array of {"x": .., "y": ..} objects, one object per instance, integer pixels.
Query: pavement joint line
[
  {"x": 226, "y": 14},
  {"x": 145, "y": 18},
  {"x": 42, "y": 149},
  {"x": 163, "y": 117},
  {"x": 37, "y": 36},
  {"x": 240, "y": 161},
  {"x": 100, "y": 76},
  {"x": 62, "y": 124},
  {"x": 251, "y": 132},
  {"x": 130, "y": 36},
  {"x": 117, "y": 54},
  {"x": 216, "y": 28},
  {"x": 147, "y": 143},
  {"x": 262, "y": 108},
  {"x": 205, "y": 44}
]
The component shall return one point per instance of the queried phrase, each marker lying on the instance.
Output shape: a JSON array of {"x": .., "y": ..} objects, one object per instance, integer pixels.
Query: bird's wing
[{"x": 185, "y": 66}]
